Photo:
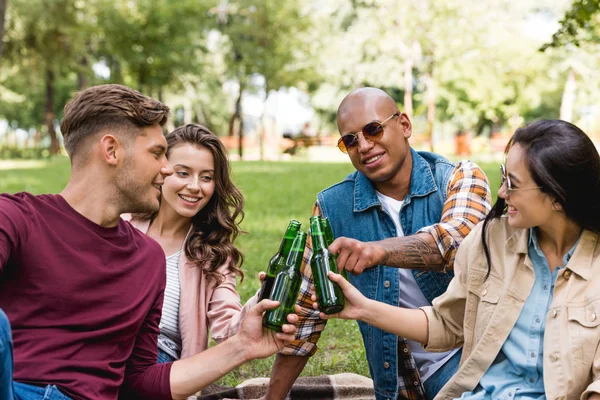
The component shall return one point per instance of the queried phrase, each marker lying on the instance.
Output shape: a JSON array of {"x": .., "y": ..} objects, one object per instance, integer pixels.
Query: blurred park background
[{"x": 267, "y": 76}]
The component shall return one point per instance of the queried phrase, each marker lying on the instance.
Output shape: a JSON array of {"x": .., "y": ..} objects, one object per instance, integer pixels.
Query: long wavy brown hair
[{"x": 216, "y": 226}]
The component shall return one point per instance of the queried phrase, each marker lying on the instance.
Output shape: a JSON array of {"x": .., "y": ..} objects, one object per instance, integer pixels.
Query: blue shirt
[{"x": 517, "y": 371}]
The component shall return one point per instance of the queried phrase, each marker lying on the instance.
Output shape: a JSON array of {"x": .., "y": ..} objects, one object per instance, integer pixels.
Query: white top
[
  {"x": 412, "y": 297},
  {"x": 169, "y": 339}
]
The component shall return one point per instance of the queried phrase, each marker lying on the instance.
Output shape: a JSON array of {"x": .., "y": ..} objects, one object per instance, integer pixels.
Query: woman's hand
[{"x": 356, "y": 304}]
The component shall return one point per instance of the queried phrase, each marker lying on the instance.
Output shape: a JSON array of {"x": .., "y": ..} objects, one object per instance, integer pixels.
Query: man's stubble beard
[{"x": 133, "y": 196}]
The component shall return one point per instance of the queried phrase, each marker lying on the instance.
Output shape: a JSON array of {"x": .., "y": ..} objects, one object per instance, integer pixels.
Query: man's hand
[
  {"x": 355, "y": 256},
  {"x": 356, "y": 304},
  {"x": 262, "y": 342}
]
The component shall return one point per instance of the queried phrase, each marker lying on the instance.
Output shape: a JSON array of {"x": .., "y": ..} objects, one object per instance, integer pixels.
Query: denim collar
[{"x": 422, "y": 183}]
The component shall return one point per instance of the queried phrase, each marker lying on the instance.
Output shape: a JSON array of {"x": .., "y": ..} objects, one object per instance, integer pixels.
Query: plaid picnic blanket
[{"x": 324, "y": 387}]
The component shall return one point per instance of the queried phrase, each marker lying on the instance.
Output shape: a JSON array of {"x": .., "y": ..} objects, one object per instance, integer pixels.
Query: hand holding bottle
[
  {"x": 356, "y": 305},
  {"x": 260, "y": 342},
  {"x": 355, "y": 256}
]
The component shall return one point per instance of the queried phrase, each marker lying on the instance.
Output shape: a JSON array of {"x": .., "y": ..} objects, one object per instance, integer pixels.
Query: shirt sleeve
[
  {"x": 224, "y": 309},
  {"x": 144, "y": 378},
  {"x": 13, "y": 228},
  {"x": 468, "y": 202},
  {"x": 447, "y": 313},
  {"x": 310, "y": 325}
]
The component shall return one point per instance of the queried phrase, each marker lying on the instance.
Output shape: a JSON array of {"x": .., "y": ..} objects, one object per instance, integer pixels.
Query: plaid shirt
[{"x": 468, "y": 202}]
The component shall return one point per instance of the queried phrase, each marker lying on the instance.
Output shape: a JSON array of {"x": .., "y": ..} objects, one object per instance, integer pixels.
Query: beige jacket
[
  {"x": 204, "y": 306},
  {"x": 479, "y": 314}
]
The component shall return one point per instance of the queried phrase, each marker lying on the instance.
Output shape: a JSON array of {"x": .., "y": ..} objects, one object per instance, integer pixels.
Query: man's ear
[
  {"x": 109, "y": 146},
  {"x": 406, "y": 125}
]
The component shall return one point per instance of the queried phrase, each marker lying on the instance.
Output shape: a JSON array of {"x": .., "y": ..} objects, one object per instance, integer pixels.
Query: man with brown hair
[{"x": 83, "y": 289}]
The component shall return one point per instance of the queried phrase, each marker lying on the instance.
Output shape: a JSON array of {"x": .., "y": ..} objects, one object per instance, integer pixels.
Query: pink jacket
[{"x": 204, "y": 306}]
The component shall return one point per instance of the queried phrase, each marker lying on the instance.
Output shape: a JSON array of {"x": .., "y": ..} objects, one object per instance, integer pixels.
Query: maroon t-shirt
[{"x": 83, "y": 301}]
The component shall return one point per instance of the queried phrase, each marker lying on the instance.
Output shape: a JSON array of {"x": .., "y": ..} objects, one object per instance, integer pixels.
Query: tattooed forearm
[{"x": 416, "y": 252}]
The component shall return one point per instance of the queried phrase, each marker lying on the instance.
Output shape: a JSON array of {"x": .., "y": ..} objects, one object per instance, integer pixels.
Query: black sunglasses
[{"x": 371, "y": 131}]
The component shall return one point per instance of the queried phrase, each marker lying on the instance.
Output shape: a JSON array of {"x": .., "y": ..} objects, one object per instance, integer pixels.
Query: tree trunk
[
  {"x": 188, "y": 111},
  {"x": 238, "y": 111},
  {"x": 2, "y": 14},
  {"x": 263, "y": 130},
  {"x": 568, "y": 97},
  {"x": 116, "y": 75},
  {"x": 430, "y": 84},
  {"x": 49, "y": 111},
  {"x": 82, "y": 79},
  {"x": 232, "y": 120},
  {"x": 408, "y": 83}
]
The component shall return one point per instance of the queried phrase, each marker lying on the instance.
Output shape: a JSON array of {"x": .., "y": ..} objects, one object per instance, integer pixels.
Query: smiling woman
[
  {"x": 526, "y": 280},
  {"x": 198, "y": 220}
]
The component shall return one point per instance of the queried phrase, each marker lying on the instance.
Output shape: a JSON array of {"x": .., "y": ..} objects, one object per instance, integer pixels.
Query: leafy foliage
[{"x": 578, "y": 26}]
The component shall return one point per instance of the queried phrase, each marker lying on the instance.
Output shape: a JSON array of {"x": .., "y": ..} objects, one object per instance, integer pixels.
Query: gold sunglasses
[
  {"x": 371, "y": 131},
  {"x": 509, "y": 187}
]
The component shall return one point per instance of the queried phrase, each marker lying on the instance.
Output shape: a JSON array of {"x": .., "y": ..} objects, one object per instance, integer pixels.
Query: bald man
[{"x": 398, "y": 220}]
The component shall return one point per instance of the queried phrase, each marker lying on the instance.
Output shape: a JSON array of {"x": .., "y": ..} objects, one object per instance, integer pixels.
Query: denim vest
[{"x": 355, "y": 211}]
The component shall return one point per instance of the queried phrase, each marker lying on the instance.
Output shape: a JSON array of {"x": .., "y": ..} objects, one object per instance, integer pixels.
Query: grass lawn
[{"x": 275, "y": 193}]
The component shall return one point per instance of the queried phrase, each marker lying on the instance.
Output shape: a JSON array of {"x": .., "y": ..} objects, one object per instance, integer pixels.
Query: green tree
[
  {"x": 2, "y": 14},
  {"x": 43, "y": 41},
  {"x": 150, "y": 43},
  {"x": 472, "y": 64},
  {"x": 265, "y": 38},
  {"x": 580, "y": 25}
]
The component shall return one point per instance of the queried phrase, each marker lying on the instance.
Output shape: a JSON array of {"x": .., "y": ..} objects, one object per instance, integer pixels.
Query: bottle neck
[
  {"x": 294, "y": 259},
  {"x": 288, "y": 240},
  {"x": 327, "y": 231},
  {"x": 319, "y": 241},
  {"x": 285, "y": 247}
]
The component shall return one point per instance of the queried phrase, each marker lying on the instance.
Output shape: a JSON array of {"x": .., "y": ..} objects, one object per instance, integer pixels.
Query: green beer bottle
[
  {"x": 329, "y": 239},
  {"x": 287, "y": 285},
  {"x": 278, "y": 260},
  {"x": 329, "y": 294},
  {"x": 327, "y": 230}
]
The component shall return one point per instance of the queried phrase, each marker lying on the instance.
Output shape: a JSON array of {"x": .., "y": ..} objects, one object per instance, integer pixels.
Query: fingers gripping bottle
[
  {"x": 329, "y": 294},
  {"x": 278, "y": 260},
  {"x": 329, "y": 239},
  {"x": 286, "y": 286}
]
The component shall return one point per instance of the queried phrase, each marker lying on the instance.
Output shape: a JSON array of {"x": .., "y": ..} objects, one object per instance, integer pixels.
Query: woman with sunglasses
[{"x": 525, "y": 299}]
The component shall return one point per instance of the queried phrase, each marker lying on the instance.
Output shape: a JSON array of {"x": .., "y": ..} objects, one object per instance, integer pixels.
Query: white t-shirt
[
  {"x": 169, "y": 338},
  {"x": 412, "y": 297}
]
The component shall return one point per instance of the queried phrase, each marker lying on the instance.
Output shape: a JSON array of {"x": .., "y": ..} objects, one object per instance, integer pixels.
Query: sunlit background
[
  {"x": 267, "y": 77},
  {"x": 273, "y": 72}
]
